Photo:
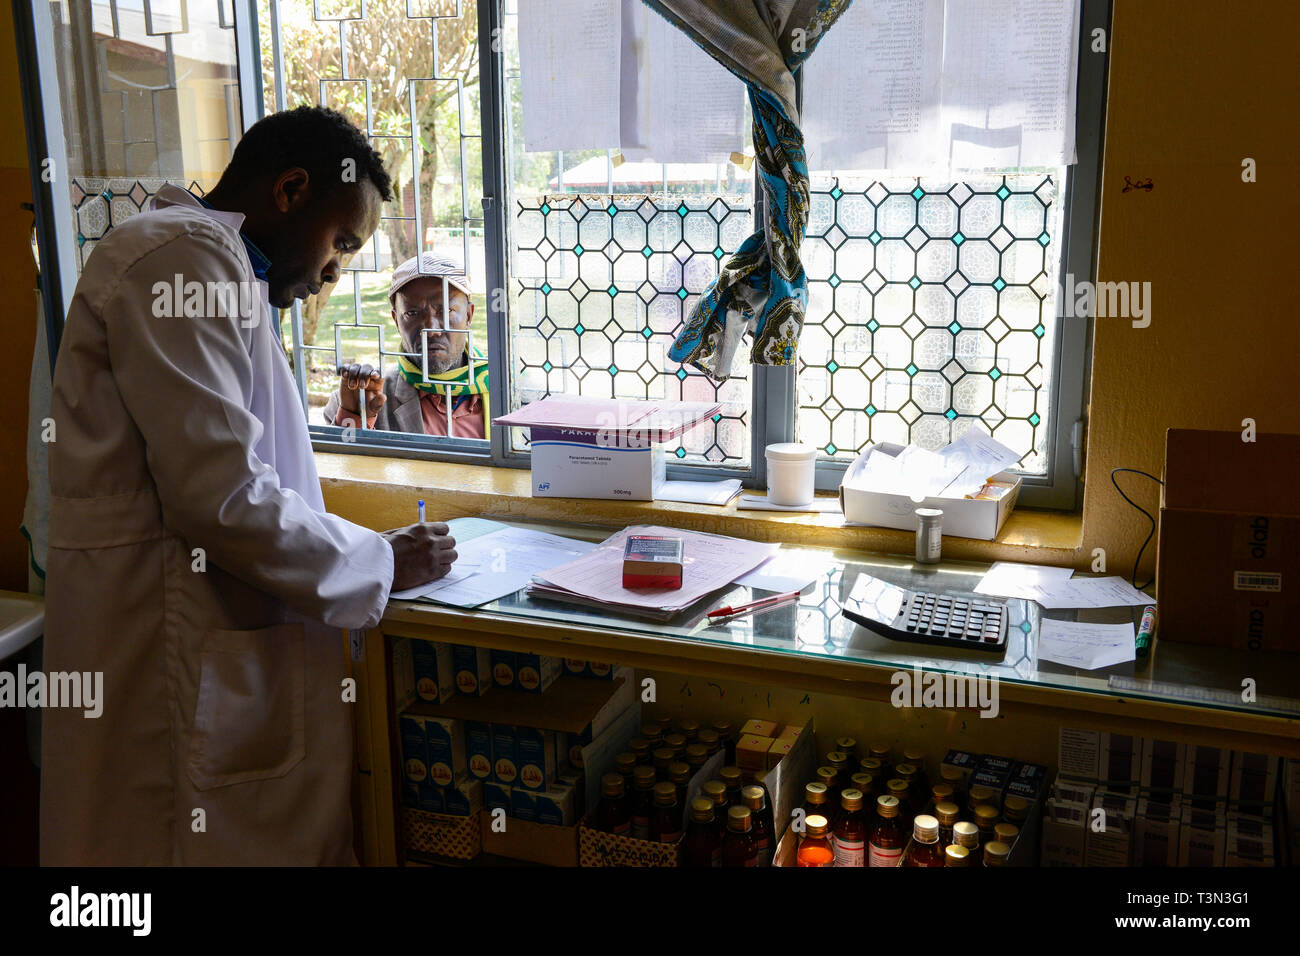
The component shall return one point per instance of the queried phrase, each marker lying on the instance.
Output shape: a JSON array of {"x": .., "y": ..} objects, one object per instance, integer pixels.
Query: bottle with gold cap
[
  {"x": 690, "y": 729},
  {"x": 723, "y": 729},
  {"x": 880, "y": 751},
  {"x": 1006, "y": 833},
  {"x": 865, "y": 783},
  {"x": 815, "y": 845},
  {"x": 953, "y": 778},
  {"x": 612, "y": 811},
  {"x": 850, "y": 833},
  {"x": 702, "y": 845},
  {"x": 816, "y": 801},
  {"x": 664, "y": 722},
  {"x": 697, "y": 755},
  {"x": 886, "y": 837},
  {"x": 716, "y": 791},
  {"x": 977, "y": 795},
  {"x": 643, "y": 801},
  {"x": 986, "y": 818},
  {"x": 652, "y": 732},
  {"x": 965, "y": 833},
  {"x": 828, "y": 777},
  {"x": 925, "y": 849},
  {"x": 849, "y": 747},
  {"x": 898, "y": 787},
  {"x": 663, "y": 756},
  {"x": 872, "y": 766},
  {"x": 940, "y": 793},
  {"x": 760, "y": 830},
  {"x": 916, "y": 757},
  {"x": 954, "y": 855},
  {"x": 738, "y": 845},
  {"x": 840, "y": 761},
  {"x": 675, "y": 742},
  {"x": 734, "y": 780},
  {"x": 996, "y": 853},
  {"x": 1015, "y": 809},
  {"x": 679, "y": 772},
  {"x": 640, "y": 748},
  {"x": 946, "y": 813},
  {"x": 708, "y": 738},
  {"x": 907, "y": 773},
  {"x": 666, "y": 818}
]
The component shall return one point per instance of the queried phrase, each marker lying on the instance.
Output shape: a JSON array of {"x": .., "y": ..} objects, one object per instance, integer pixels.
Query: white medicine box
[
  {"x": 576, "y": 463},
  {"x": 962, "y": 517}
]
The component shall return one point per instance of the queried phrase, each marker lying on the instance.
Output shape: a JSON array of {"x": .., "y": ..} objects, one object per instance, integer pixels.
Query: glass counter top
[{"x": 813, "y": 627}]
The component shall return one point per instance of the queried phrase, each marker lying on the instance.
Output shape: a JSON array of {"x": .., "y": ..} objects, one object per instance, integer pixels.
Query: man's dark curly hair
[{"x": 315, "y": 138}]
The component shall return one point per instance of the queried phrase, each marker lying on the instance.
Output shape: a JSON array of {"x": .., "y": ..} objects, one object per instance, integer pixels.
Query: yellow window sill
[{"x": 381, "y": 493}]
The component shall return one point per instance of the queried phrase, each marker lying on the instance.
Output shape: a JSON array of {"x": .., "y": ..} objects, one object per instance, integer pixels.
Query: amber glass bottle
[
  {"x": 1006, "y": 833},
  {"x": 716, "y": 791},
  {"x": 952, "y": 777},
  {"x": 965, "y": 834},
  {"x": 760, "y": 829},
  {"x": 925, "y": 849},
  {"x": 666, "y": 818},
  {"x": 872, "y": 766},
  {"x": 986, "y": 818},
  {"x": 1015, "y": 809},
  {"x": 709, "y": 739},
  {"x": 612, "y": 811},
  {"x": 723, "y": 729},
  {"x": 863, "y": 783},
  {"x": 640, "y": 746},
  {"x": 849, "y": 747},
  {"x": 680, "y": 775},
  {"x": 690, "y": 729},
  {"x": 734, "y": 781},
  {"x": 828, "y": 778},
  {"x": 738, "y": 846},
  {"x": 663, "y": 756},
  {"x": 702, "y": 845},
  {"x": 941, "y": 793},
  {"x": 840, "y": 761},
  {"x": 898, "y": 787},
  {"x": 880, "y": 751},
  {"x": 697, "y": 755},
  {"x": 850, "y": 831},
  {"x": 677, "y": 744},
  {"x": 815, "y": 845},
  {"x": 946, "y": 813},
  {"x": 654, "y": 733},
  {"x": 995, "y": 853},
  {"x": 815, "y": 802},
  {"x": 643, "y": 801},
  {"x": 975, "y": 796},
  {"x": 886, "y": 838},
  {"x": 916, "y": 757}
]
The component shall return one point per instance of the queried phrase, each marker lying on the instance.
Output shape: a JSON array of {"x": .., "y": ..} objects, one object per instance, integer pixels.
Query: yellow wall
[
  {"x": 18, "y": 318},
  {"x": 1195, "y": 87}
]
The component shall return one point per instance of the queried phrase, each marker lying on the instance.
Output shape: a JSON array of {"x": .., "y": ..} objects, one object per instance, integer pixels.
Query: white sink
[{"x": 22, "y": 619}]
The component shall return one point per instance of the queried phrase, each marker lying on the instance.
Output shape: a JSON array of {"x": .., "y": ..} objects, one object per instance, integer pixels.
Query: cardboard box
[
  {"x": 1205, "y": 774},
  {"x": 1202, "y": 838},
  {"x": 961, "y": 761},
  {"x": 1113, "y": 845},
  {"x": 497, "y": 796},
  {"x": 1157, "y": 827},
  {"x": 576, "y": 463},
  {"x": 535, "y": 842},
  {"x": 445, "y": 745},
  {"x": 464, "y": 799},
  {"x": 756, "y": 727},
  {"x": 1027, "y": 780},
  {"x": 1163, "y": 768},
  {"x": 1065, "y": 823},
  {"x": 435, "y": 677},
  {"x": 1253, "y": 783},
  {"x": 503, "y": 667},
  {"x": 779, "y": 749},
  {"x": 652, "y": 561},
  {"x": 751, "y": 753},
  {"x": 478, "y": 749},
  {"x": 789, "y": 731},
  {"x": 472, "y": 667},
  {"x": 1111, "y": 759},
  {"x": 457, "y": 838},
  {"x": 1228, "y": 554},
  {"x": 505, "y": 757},
  {"x": 962, "y": 517},
  {"x": 403, "y": 673},
  {"x": 535, "y": 673},
  {"x": 535, "y": 755},
  {"x": 1248, "y": 841},
  {"x": 597, "y": 670},
  {"x": 573, "y": 665}
]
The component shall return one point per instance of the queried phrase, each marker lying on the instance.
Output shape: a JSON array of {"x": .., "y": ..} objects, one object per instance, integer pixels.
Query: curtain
[{"x": 762, "y": 288}]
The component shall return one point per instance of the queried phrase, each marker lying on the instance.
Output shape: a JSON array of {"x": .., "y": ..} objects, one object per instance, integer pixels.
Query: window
[{"x": 932, "y": 305}]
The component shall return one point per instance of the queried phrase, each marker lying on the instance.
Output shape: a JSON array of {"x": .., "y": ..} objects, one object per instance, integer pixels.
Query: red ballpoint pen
[{"x": 753, "y": 605}]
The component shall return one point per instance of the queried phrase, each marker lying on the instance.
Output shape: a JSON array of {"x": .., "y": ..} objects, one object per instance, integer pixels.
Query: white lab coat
[{"x": 223, "y": 686}]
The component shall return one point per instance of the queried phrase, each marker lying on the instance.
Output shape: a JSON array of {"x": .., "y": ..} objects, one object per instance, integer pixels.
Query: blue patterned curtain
[{"x": 762, "y": 288}]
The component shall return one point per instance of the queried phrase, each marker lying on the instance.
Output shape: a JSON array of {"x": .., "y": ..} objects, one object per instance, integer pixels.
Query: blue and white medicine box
[{"x": 577, "y": 463}]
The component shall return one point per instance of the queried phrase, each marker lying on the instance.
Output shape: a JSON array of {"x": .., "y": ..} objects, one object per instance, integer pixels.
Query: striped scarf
[{"x": 455, "y": 381}]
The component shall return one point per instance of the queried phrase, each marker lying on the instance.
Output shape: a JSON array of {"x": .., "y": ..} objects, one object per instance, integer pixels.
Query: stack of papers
[
  {"x": 1055, "y": 588},
  {"x": 710, "y": 562},
  {"x": 957, "y": 470},
  {"x": 1084, "y": 645},
  {"x": 699, "y": 492},
  {"x": 655, "y": 421}
]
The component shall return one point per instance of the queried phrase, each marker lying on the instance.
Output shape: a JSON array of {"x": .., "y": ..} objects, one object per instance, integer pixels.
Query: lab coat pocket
[{"x": 249, "y": 723}]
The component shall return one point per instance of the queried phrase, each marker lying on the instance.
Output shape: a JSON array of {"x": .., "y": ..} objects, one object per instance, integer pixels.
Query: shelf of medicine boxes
[{"x": 764, "y": 650}]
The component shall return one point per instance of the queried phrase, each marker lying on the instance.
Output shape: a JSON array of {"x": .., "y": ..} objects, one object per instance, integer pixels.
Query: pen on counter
[
  {"x": 728, "y": 611},
  {"x": 421, "y": 504},
  {"x": 1146, "y": 633}
]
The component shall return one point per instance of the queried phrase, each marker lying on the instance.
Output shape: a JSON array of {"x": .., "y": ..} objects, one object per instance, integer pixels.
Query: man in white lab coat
[{"x": 191, "y": 559}]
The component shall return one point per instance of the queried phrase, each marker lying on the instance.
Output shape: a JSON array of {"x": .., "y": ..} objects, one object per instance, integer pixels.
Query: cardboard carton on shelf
[{"x": 1228, "y": 552}]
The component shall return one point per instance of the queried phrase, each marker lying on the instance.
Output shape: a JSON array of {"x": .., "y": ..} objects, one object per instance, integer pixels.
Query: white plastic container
[{"x": 791, "y": 468}]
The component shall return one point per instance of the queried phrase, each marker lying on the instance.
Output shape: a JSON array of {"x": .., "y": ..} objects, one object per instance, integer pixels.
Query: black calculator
[{"x": 968, "y": 622}]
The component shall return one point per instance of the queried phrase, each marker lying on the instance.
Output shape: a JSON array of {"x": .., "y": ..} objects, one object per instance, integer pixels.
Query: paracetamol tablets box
[
  {"x": 1202, "y": 838},
  {"x": 535, "y": 672},
  {"x": 1253, "y": 782},
  {"x": 434, "y": 674},
  {"x": 1156, "y": 827},
  {"x": 1112, "y": 846},
  {"x": 1027, "y": 780},
  {"x": 598, "y": 670},
  {"x": 445, "y": 745},
  {"x": 569, "y": 746},
  {"x": 962, "y": 761},
  {"x": 574, "y": 666},
  {"x": 1249, "y": 841},
  {"x": 780, "y": 747},
  {"x": 464, "y": 799},
  {"x": 503, "y": 668},
  {"x": 523, "y": 804},
  {"x": 1205, "y": 773},
  {"x": 496, "y": 796},
  {"x": 1163, "y": 767},
  {"x": 432, "y": 799},
  {"x": 472, "y": 667},
  {"x": 505, "y": 759},
  {"x": 756, "y": 727},
  {"x": 415, "y": 758},
  {"x": 751, "y": 753},
  {"x": 535, "y": 755},
  {"x": 478, "y": 749},
  {"x": 788, "y": 732},
  {"x": 1111, "y": 759}
]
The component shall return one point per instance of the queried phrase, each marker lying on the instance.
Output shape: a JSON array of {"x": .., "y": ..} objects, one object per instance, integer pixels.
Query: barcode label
[{"x": 1254, "y": 581}]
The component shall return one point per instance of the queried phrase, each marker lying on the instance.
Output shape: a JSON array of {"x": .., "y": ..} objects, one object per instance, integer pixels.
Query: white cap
[
  {"x": 790, "y": 451},
  {"x": 429, "y": 265}
]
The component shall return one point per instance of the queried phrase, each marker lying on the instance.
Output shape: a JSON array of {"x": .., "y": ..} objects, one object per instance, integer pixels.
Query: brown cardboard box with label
[{"x": 1228, "y": 564}]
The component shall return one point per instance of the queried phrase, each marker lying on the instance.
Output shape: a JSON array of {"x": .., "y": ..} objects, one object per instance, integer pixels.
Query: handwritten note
[{"x": 1085, "y": 646}]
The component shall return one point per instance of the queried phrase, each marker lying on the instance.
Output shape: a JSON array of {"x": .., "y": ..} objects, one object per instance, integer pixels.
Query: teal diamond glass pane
[
  {"x": 680, "y": 453},
  {"x": 874, "y": 237},
  {"x": 836, "y": 193},
  {"x": 577, "y": 251},
  {"x": 577, "y": 328},
  {"x": 950, "y": 414},
  {"x": 917, "y": 193},
  {"x": 611, "y": 209},
  {"x": 546, "y": 290},
  {"x": 681, "y": 211},
  {"x": 1033, "y": 419},
  {"x": 870, "y": 410},
  {"x": 830, "y": 449},
  {"x": 612, "y": 290},
  {"x": 957, "y": 240},
  {"x": 914, "y": 282},
  {"x": 871, "y": 327},
  {"x": 647, "y": 332},
  {"x": 994, "y": 374},
  {"x": 997, "y": 284},
  {"x": 647, "y": 252},
  {"x": 910, "y": 370},
  {"x": 954, "y": 328},
  {"x": 613, "y": 370},
  {"x": 545, "y": 211},
  {"x": 1002, "y": 193},
  {"x": 717, "y": 254},
  {"x": 546, "y": 366},
  {"x": 1038, "y": 331},
  {"x": 681, "y": 294},
  {"x": 1044, "y": 239},
  {"x": 831, "y": 366},
  {"x": 81, "y": 241},
  {"x": 716, "y": 418},
  {"x": 681, "y": 375},
  {"x": 834, "y": 280},
  {"x": 1025, "y": 626}
]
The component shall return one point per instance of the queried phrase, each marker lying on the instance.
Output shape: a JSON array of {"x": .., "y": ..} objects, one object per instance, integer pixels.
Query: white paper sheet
[
  {"x": 710, "y": 562},
  {"x": 505, "y": 561},
  {"x": 1011, "y": 579},
  {"x": 980, "y": 457},
  {"x": 1092, "y": 592},
  {"x": 759, "y": 503},
  {"x": 680, "y": 104},
  {"x": 783, "y": 572},
  {"x": 921, "y": 85},
  {"x": 459, "y": 572},
  {"x": 1084, "y": 645},
  {"x": 699, "y": 492},
  {"x": 569, "y": 66}
]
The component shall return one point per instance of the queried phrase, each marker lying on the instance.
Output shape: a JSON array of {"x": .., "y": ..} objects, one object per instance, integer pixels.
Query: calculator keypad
[{"x": 957, "y": 622}]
